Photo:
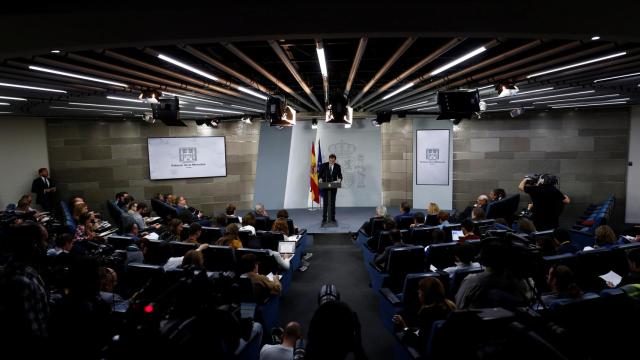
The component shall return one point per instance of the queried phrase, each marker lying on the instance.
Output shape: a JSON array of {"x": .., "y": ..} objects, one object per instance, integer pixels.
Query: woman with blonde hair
[{"x": 433, "y": 209}]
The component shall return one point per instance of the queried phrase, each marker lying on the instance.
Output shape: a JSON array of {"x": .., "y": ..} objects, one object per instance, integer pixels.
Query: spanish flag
[{"x": 313, "y": 176}]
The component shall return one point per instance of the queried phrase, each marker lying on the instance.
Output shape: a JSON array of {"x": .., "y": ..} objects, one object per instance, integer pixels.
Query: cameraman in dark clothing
[{"x": 548, "y": 201}]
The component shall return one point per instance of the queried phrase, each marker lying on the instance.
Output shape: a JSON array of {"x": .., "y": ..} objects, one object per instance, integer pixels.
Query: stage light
[
  {"x": 278, "y": 113},
  {"x": 338, "y": 112},
  {"x": 77, "y": 76},
  {"x": 149, "y": 96},
  {"x": 508, "y": 90},
  {"x": 246, "y": 119},
  {"x": 383, "y": 117},
  {"x": 314, "y": 124}
]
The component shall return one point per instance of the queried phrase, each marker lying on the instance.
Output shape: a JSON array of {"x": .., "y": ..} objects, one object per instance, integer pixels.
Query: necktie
[
  {"x": 331, "y": 170},
  {"x": 46, "y": 181}
]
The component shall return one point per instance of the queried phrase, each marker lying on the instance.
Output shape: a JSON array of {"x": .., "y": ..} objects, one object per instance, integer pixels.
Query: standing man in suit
[
  {"x": 330, "y": 171},
  {"x": 45, "y": 190}
]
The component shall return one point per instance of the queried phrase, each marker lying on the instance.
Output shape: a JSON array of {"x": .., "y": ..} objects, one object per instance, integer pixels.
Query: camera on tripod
[{"x": 540, "y": 179}]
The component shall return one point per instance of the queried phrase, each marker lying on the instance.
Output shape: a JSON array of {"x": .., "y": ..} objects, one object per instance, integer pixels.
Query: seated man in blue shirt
[{"x": 405, "y": 210}]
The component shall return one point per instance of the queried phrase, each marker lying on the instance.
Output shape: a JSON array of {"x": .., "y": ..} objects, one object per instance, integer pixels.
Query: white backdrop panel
[
  {"x": 358, "y": 152},
  {"x": 432, "y": 157}
]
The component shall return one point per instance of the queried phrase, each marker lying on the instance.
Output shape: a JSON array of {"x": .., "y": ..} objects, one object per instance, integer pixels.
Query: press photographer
[{"x": 548, "y": 202}]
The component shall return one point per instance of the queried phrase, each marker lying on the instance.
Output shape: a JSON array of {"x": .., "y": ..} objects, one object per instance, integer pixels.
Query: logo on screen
[
  {"x": 433, "y": 154},
  {"x": 188, "y": 154}
]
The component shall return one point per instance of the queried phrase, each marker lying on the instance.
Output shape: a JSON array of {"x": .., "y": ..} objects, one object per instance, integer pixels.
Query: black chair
[
  {"x": 267, "y": 262},
  {"x": 184, "y": 235},
  {"x": 137, "y": 275},
  {"x": 378, "y": 243},
  {"x": 233, "y": 220},
  {"x": 504, "y": 208},
  {"x": 292, "y": 229},
  {"x": 119, "y": 242},
  {"x": 420, "y": 236},
  {"x": 447, "y": 231},
  {"x": 269, "y": 240},
  {"x": 210, "y": 235},
  {"x": 219, "y": 258},
  {"x": 441, "y": 256},
  {"x": 403, "y": 261},
  {"x": 245, "y": 237},
  {"x": 432, "y": 220},
  {"x": 181, "y": 248},
  {"x": 377, "y": 225},
  {"x": 262, "y": 223},
  {"x": 405, "y": 222},
  {"x": 480, "y": 227}
]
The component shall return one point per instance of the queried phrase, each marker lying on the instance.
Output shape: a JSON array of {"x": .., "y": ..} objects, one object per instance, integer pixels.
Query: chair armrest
[
  {"x": 390, "y": 296},
  {"x": 376, "y": 267}
]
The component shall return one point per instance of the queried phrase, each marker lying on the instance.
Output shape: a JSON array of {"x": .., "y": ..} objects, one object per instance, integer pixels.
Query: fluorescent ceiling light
[
  {"x": 31, "y": 87},
  {"x": 187, "y": 67},
  {"x": 616, "y": 77},
  {"x": 12, "y": 98},
  {"x": 511, "y": 108},
  {"x": 323, "y": 62},
  {"x": 576, "y": 99},
  {"x": 251, "y": 92},
  {"x": 593, "y": 104},
  {"x": 246, "y": 108},
  {"x": 412, "y": 105},
  {"x": 87, "y": 109},
  {"x": 519, "y": 93},
  {"x": 110, "y": 106},
  {"x": 554, "y": 96},
  {"x": 191, "y": 97},
  {"x": 576, "y": 64},
  {"x": 77, "y": 76},
  {"x": 427, "y": 108},
  {"x": 458, "y": 61},
  {"x": 485, "y": 87},
  {"x": 5, "y": 112},
  {"x": 405, "y": 87},
  {"x": 4, "y": 104},
  {"x": 219, "y": 110},
  {"x": 124, "y": 99},
  {"x": 491, "y": 104},
  {"x": 198, "y": 113},
  {"x": 595, "y": 37}
]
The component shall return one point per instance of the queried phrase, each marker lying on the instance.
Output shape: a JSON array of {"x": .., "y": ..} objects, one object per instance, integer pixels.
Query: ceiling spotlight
[
  {"x": 338, "y": 112},
  {"x": 149, "y": 96},
  {"x": 147, "y": 117},
  {"x": 516, "y": 112},
  {"x": 279, "y": 114},
  {"x": 508, "y": 90},
  {"x": 314, "y": 124},
  {"x": 246, "y": 119},
  {"x": 210, "y": 123},
  {"x": 375, "y": 123}
]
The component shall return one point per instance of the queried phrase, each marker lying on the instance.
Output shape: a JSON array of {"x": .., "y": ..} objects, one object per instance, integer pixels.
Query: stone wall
[
  {"x": 96, "y": 159},
  {"x": 586, "y": 149}
]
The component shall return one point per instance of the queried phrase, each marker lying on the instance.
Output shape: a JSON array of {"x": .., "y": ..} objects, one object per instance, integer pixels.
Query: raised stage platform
[{"x": 349, "y": 219}]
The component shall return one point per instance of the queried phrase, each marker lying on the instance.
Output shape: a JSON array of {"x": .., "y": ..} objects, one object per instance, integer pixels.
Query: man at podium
[{"x": 329, "y": 172}]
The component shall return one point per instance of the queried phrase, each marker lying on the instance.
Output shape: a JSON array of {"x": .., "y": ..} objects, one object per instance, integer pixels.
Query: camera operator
[{"x": 548, "y": 201}]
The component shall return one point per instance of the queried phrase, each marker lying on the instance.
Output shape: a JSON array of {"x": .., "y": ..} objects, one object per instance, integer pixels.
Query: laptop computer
[
  {"x": 456, "y": 234},
  {"x": 286, "y": 247}
]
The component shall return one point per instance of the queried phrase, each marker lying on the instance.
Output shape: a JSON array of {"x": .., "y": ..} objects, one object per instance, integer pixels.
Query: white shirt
[
  {"x": 276, "y": 352},
  {"x": 248, "y": 228},
  {"x": 46, "y": 181}
]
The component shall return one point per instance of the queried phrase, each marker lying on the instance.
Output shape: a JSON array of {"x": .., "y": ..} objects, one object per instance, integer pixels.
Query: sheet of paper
[
  {"x": 612, "y": 277},
  {"x": 152, "y": 236},
  {"x": 270, "y": 276},
  {"x": 433, "y": 268},
  {"x": 294, "y": 237}
]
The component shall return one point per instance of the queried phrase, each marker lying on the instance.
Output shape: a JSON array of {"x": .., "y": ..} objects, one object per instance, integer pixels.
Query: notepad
[
  {"x": 612, "y": 277},
  {"x": 152, "y": 236}
]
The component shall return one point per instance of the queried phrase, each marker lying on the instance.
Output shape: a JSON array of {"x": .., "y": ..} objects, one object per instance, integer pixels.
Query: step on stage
[{"x": 349, "y": 219}]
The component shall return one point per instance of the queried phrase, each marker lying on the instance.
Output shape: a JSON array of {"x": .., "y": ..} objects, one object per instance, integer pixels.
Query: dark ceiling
[{"x": 261, "y": 55}]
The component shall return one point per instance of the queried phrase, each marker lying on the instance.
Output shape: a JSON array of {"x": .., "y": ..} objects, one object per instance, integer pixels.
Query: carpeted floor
[{"x": 337, "y": 261}]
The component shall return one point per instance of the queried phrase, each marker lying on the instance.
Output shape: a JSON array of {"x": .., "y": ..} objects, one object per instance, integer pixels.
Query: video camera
[{"x": 541, "y": 179}]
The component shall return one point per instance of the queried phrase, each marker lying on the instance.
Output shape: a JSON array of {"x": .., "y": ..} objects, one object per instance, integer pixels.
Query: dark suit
[
  {"x": 46, "y": 200},
  {"x": 326, "y": 175}
]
